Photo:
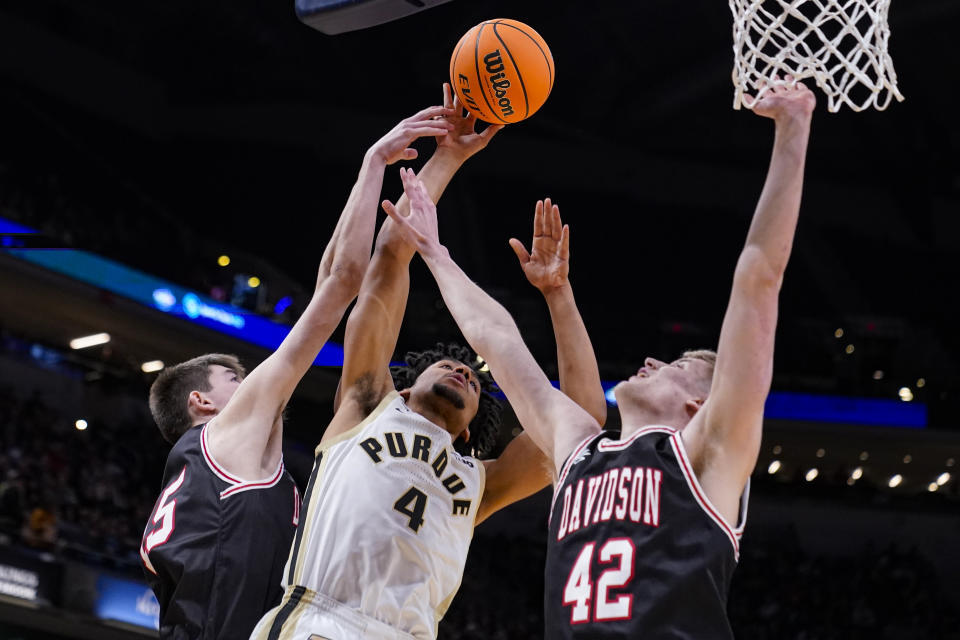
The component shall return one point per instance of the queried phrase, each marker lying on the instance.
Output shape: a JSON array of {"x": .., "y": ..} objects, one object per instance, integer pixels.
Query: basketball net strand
[{"x": 841, "y": 44}]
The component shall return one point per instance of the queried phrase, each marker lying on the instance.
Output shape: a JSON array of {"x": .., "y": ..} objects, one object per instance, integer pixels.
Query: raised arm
[
  {"x": 245, "y": 436},
  {"x": 374, "y": 324},
  {"x": 553, "y": 421},
  {"x": 723, "y": 438},
  {"x": 547, "y": 267}
]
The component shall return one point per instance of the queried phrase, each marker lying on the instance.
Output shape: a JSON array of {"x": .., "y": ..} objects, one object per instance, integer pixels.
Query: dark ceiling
[{"x": 242, "y": 129}]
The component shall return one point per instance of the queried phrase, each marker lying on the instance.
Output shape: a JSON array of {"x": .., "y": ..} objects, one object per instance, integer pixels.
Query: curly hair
[{"x": 485, "y": 426}]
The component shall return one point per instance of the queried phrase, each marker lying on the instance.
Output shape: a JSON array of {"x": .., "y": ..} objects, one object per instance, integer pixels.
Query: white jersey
[{"x": 387, "y": 520}]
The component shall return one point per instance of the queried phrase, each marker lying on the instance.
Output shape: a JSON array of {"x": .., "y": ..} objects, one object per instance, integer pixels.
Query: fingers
[
  {"x": 414, "y": 188},
  {"x": 538, "y": 220},
  {"x": 522, "y": 254},
  {"x": 565, "y": 243},
  {"x": 490, "y": 131},
  {"x": 447, "y": 97},
  {"x": 410, "y": 153},
  {"x": 391, "y": 210},
  {"x": 429, "y": 113},
  {"x": 556, "y": 226},
  {"x": 429, "y": 128},
  {"x": 547, "y": 218}
]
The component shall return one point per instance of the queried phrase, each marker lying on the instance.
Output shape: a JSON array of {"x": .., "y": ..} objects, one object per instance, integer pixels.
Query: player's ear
[
  {"x": 199, "y": 405},
  {"x": 693, "y": 405}
]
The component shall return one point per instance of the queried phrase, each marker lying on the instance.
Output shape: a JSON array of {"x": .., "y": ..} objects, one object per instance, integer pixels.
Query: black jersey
[
  {"x": 215, "y": 545},
  {"x": 635, "y": 548}
]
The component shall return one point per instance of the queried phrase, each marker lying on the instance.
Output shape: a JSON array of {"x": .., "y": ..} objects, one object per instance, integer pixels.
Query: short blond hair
[{"x": 704, "y": 355}]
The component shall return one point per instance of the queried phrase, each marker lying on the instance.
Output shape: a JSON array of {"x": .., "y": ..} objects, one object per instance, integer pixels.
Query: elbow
[
  {"x": 756, "y": 272},
  {"x": 347, "y": 276}
]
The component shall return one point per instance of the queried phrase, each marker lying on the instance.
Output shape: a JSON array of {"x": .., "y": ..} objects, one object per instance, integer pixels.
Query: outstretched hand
[
  {"x": 395, "y": 146},
  {"x": 462, "y": 139},
  {"x": 420, "y": 227},
  {"x": 547, "y": 265},
  {"x": 785, "y": 101}
]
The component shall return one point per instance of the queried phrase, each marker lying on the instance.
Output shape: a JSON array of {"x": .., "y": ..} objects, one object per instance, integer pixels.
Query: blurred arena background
[{"x": 146, "y": 141}]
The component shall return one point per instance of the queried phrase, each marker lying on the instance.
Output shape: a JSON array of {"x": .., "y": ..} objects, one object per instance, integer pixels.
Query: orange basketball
[{"x": 502, "y": 71}]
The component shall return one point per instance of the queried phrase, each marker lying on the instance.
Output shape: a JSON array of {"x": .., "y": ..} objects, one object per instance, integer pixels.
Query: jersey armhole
[{"x": 686, "y": 468}]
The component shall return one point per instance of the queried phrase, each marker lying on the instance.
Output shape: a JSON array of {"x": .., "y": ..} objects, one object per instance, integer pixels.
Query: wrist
[
  {"x": 434, "y": 254},
  {"x": 375, "y": 158},
  {"x": 557, "y": 293},
  {"x": 449, "y": 156}
]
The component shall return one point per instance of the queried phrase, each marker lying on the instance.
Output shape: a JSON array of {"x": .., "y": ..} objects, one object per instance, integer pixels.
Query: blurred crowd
[{"x": 80, "y": 494}]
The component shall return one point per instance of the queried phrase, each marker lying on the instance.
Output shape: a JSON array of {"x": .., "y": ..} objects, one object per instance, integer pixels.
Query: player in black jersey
[
  {"x": 645, "y": 529},
  {"x": 218, "y": 537}
]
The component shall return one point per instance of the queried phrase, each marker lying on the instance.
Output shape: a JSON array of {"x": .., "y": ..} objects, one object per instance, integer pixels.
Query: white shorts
[{"x": 307, "y": 615}]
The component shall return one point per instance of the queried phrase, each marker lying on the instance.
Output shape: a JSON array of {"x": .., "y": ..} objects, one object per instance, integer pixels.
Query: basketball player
[
  {"x": 391, "y": 505},
  {"x": 215, "y": 544},
  {"x": 645, "y": 530}
]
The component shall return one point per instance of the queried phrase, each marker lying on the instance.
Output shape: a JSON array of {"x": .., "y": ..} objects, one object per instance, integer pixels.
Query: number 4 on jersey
[
  {"x": 412, "y": 504},
  {"x": 579, "y": 590}
]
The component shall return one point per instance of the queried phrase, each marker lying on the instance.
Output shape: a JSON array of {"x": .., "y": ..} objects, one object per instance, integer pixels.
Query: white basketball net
[{"x": 841, "y": 44}]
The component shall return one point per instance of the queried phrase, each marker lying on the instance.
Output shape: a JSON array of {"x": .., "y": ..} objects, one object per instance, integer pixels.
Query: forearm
[
  {"x": 483, "y": 321},
  {"x": 576, "y": 360},
  {"x": 435, "y": 175},
  {"x": 775, "y": 220},
  {"x": 520, "y": 471},
  {"x": 348, "y": 252}
]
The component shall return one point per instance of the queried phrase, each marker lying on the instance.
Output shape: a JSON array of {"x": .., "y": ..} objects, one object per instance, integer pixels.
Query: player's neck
[
  {"x": 636, "y": 417},
  {"x": 436, "y": 417}
]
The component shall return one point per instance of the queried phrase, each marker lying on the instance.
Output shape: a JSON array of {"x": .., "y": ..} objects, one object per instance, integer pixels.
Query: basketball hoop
[{"x": 841, "y": 44}]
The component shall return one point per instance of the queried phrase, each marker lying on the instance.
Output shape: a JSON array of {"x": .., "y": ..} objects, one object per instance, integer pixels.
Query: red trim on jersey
[
  {"x": 618, "y": 445},
  {"x": 699, "y": 494},
  {"x": 246, "y": 486},
  {"x": 217, "y": 469}
]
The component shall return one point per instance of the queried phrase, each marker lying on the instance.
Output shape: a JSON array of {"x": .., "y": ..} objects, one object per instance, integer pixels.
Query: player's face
[
  {"x": 659, "y": 381},
  {"x": 223, "y": 384},
  {"x": 453, "y": 383}
]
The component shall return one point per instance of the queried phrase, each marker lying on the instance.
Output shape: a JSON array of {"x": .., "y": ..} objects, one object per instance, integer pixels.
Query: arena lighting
[
  {"x": 80, "y": 424},
  {"x": 850, "y": 349},
  {"x": 153, "y": 365},
  {"x": 774, "y": 467},
  {"x": 878, "y": 375},
  {"x": 90, "y": 341},
  {"x": 838, "y": 334},
  {"x": 943, "y": 479},
  {"x": 485, "y": 367},
  {"x": 864, "y": 456},
  {"x": 895, "y": 481},
  {"x": 933, "y": 486},
  {"x": 777, "y": 449},
  {"x": 282, "y": 304},
  {"x": 905, "y": 394},
  {"x": 857, "y": 474},
  {"x": 821, "y": 452},
  {"x": 812, "y": 474},
  {"x": 907, "y": 459},
  {"x": 921, "y": 383},
  {"x": 950, "y": 462},
  {"x": 253, "y": 282},
  {"x": 223, "y": 261}
]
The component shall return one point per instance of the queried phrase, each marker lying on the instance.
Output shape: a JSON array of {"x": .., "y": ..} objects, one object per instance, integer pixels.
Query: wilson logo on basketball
[{"x": 498, "y": 81}]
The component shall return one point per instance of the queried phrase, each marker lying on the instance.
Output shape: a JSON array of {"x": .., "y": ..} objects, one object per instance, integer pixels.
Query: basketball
[{"x": 502, "y": 71}]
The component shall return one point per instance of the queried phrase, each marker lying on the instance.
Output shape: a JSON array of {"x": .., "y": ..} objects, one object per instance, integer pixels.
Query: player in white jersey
[{"x": 390, "y": 507}]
